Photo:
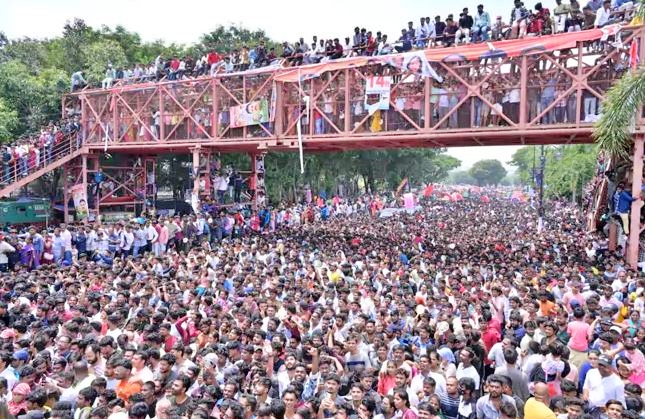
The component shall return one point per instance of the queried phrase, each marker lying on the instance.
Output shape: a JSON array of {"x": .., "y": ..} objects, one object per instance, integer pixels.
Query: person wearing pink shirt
[
  {"x": 573, "y": 296},
  {"x": 580, "y": 332},
  {"x": 163, "y": 238}
]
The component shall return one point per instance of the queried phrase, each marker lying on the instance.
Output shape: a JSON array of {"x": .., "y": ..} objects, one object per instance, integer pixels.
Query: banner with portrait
[
  {"x": 252, "y": 113},
  {"x": 414, "y": 62},
  {"x": 79, "y": 195}
]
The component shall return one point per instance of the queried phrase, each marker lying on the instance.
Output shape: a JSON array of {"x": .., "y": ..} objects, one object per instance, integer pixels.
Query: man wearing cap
[{"x": 602, "y": 385}]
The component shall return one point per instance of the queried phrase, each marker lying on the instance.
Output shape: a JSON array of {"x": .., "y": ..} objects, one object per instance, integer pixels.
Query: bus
[{"x": 25, "y": 211}]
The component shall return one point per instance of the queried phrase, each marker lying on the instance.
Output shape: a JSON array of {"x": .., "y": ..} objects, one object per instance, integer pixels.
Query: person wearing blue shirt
[
  {"x": 622, "y": 202},
  {"x": 406, "y": 42},
  {"x": 324, "y": 213},
  {"x": 481, "y": 26}
]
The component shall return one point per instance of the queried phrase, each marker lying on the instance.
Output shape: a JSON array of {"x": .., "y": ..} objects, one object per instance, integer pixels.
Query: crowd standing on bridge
[
  {"x": 459, "y": 310},
  {"x": 568, "y": 16}
]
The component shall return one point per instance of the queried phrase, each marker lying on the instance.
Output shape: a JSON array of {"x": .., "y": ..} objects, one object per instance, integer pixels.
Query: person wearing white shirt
[
  {"x": 8, "y": 372},
  {"x": 92, "y": 240},
  {"x": 384, "y": 47},
  {"x": 151, "y": 235},
  {"x": 66, "y": 237},
  {"x": 5, "y": 248},
  {"x": 417, "y": 382},
  {"x": 141, "y": 370},
  {"x": 421, "y": 33},
  {"x": 601, "y": 385},
  {"x": 127, "y": 240},
  {"x": 466, "y": 368},
  {"x": 603, "y": 14}
]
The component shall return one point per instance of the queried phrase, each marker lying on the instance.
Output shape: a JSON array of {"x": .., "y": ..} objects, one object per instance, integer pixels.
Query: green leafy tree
[
  {"x": 100, "y": 54},
  {"x": 8, "y": 121},
  {"x": 31, "y": 52},
  {"x": 567, "y": 168},
  {"x": 130, "y": 42},
  {"x": 77, "y": 36},
  {"x": 569, "y": 171},
  {"x": 226, "y": 39},
  {"x": 461, "y": 177},
  {"x": 525, "y": 159},
  {"x": 487, "y": 172}
]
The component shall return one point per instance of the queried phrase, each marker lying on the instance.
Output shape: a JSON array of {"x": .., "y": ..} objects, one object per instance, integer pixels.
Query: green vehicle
[{"x": 25, "y": 211}]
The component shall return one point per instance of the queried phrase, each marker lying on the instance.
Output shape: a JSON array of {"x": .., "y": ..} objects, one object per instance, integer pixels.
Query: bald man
[{"x": 537, "y": 407}]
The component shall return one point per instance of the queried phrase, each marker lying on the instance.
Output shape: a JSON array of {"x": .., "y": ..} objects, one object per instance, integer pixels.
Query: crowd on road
[
  {"x": 426, "y": 33},
  {"x": 459, "y": 310}
]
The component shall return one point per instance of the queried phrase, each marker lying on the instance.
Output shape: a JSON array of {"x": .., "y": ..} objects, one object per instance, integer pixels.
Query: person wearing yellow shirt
[{"x": 537, "y": 407}]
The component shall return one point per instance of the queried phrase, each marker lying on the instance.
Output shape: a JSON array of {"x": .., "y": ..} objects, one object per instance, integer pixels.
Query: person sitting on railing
[
  {"x": 422, "y": 33},
  {"x": 540, "y": 23},
  {"x": 384, "y": 46},
  {"x": 173, "y": 67},
  {"x": 465, "y": 25},
  {"x": 439, "y": 27},
  {"x": 481, "y": 25},
  {"x": 372, "y": 44},
  {"x": 519, "y": 16},
  {"x": 499, "y": 30},
  {"x": 603, "y": 15},
  {"x": 575, "y": 22},
  {"x": 357, "y": 40},
  {"x": 110, "y": 75},
  {"x": 449, "y": 31},
  {"x": 338, "y": 50},
  {"x": 405, "y": 42}
]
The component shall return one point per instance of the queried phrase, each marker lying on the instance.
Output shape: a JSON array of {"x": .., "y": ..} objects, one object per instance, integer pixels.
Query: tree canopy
[
  {"x": 567, "y": 168},
  {"x": 487, "y": 172}
]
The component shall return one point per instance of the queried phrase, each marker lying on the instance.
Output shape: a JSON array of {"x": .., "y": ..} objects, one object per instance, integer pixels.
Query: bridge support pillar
[
  {"x": 195, "y": 195},
  {"x": 256, "y": 181},
  {"x": 84, "y": 183},
  {"x": 634, "y": 222},
  {"x": 65, "y": 194}
]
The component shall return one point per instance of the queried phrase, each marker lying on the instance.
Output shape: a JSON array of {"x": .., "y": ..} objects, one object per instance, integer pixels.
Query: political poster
[
  {"x": 252, "y": 113},
  {"x": 79, "y": 195},
  {"x": 377, "y": 93},
  {"x": 414, "y": 62},
  {"x": 408, "y": 201}
]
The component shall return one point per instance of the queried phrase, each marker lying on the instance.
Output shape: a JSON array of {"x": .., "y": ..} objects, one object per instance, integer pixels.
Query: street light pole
[{"x": 541, "y": 190}]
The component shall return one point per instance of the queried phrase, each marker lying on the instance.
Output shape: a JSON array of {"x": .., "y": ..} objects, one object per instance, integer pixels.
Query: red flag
[{"x": 634, "y": 59}]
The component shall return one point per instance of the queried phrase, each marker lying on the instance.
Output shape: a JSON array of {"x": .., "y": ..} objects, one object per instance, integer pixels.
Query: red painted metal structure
[{"x": 540, "y": 91}]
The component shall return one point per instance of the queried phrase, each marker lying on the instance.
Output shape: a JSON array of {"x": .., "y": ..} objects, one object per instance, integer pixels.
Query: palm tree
[{"x": 622, "y": 102}]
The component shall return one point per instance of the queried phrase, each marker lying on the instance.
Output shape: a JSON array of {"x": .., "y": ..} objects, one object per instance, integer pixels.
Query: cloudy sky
[{"x": 184, "y": 22}]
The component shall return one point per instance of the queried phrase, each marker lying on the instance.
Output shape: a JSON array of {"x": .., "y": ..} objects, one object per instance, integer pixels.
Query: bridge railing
[
  {"x": 529, "y": 93},
  {"x": 38, "y": 158}
]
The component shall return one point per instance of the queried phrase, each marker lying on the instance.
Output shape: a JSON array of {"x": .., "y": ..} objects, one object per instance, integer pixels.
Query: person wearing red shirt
[{"x": 490, "y": 336}]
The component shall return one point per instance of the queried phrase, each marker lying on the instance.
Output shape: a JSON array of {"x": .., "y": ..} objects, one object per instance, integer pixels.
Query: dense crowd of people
[
  {"x": 32, "y": 152},
  {"x": 459, "y": 310},
  {"x": 427, "y": 33}
]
